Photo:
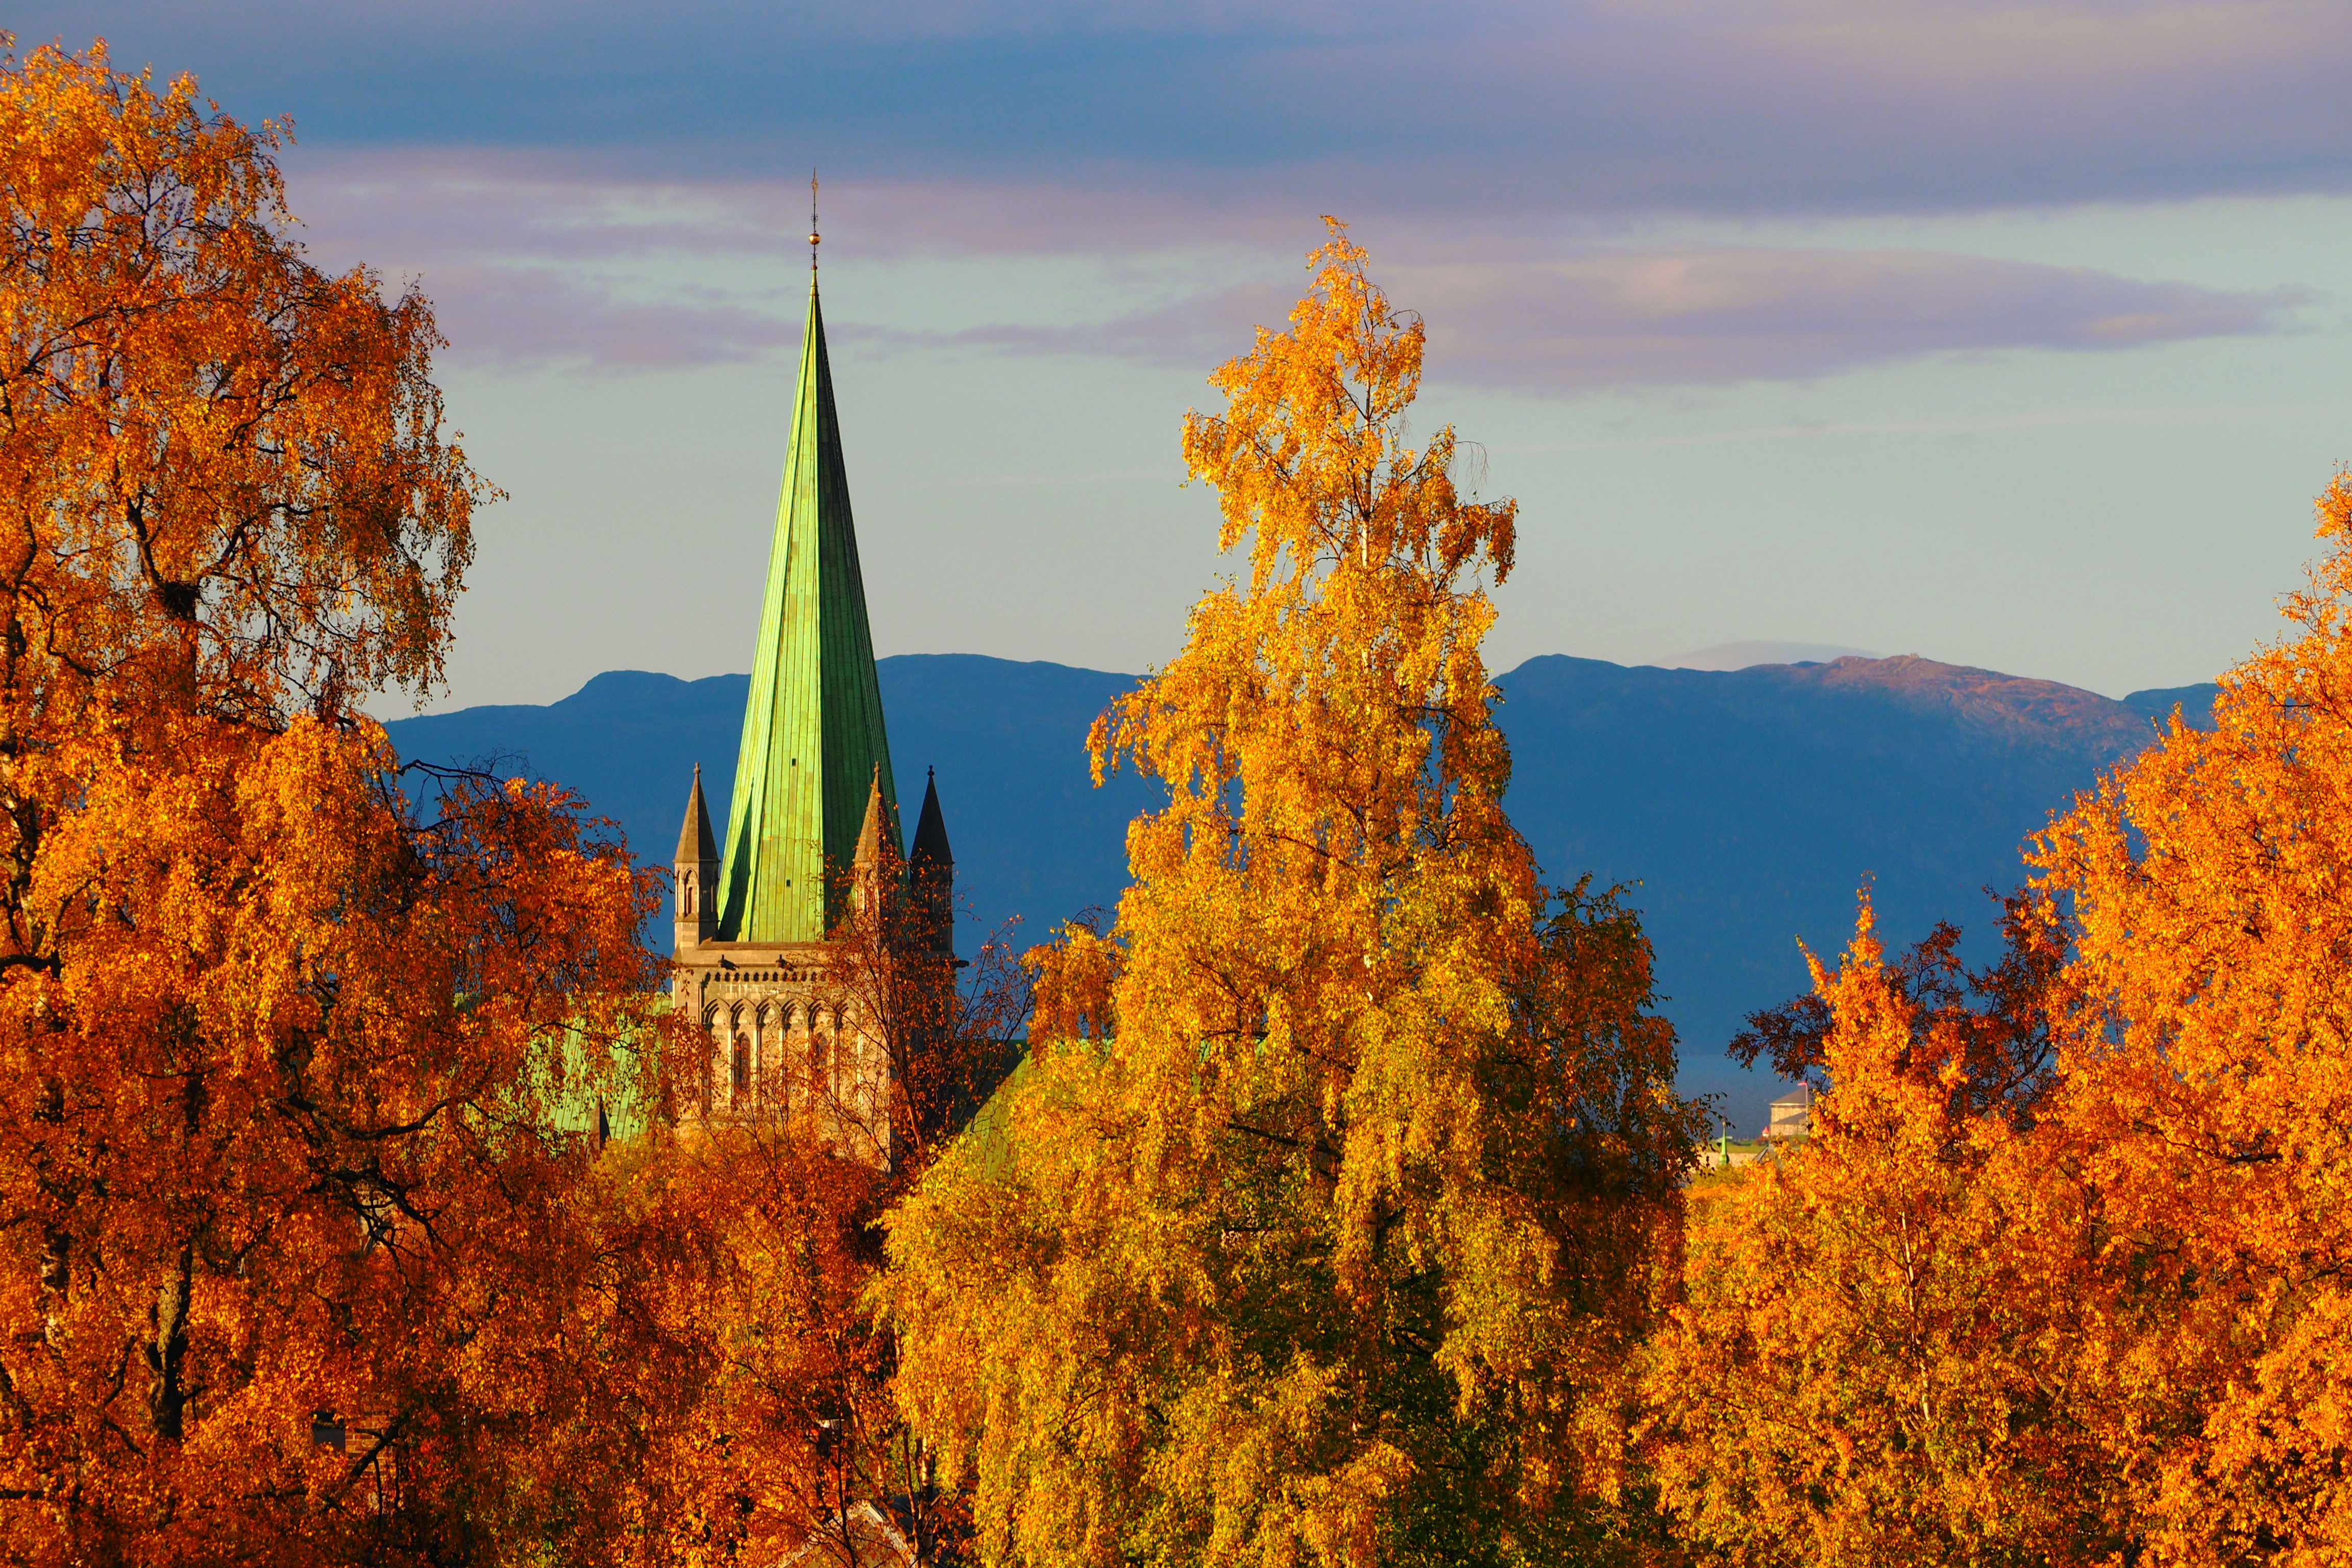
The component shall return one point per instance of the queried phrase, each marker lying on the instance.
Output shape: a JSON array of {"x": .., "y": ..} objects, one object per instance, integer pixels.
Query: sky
[{"x": 2005, "y": 334}]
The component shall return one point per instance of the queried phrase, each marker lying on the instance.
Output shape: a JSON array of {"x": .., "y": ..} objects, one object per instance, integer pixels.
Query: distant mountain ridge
[
  {"x": 1748, "y": 805},
  {"x": 2016, "y": 709}
]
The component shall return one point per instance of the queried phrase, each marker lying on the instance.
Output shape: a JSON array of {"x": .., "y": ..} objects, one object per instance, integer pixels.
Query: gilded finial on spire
[{"x": 812, "y": 233}]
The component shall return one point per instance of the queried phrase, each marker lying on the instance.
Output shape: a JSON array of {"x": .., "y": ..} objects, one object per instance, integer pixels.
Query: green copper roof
[{"x": 813, "y": 734}]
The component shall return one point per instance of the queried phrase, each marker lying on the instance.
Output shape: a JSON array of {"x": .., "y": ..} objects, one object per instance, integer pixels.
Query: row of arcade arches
[{"x": 770, "y": 1052}]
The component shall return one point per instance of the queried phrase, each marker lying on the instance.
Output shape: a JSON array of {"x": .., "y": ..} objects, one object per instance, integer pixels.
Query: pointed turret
[
  {"x": 813, "y": 723},
  {"x": 866, "y": 868},
  {"x": 869, "y": 834},
  {"x": 930, "y": 872},
  {"x": 693, "y": 872}
]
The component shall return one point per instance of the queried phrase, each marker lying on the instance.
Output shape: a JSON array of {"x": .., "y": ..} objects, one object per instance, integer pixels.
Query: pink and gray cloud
[
  {"x": 1494, "y": 107},
  {"x": 532, "y": 263},
  {"x": 1634, "y": 317},
  {"x": 559, "y": 175}
]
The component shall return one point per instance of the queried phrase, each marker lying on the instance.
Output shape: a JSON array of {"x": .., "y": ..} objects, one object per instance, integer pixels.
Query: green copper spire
[{"x": 813, "y": 736}]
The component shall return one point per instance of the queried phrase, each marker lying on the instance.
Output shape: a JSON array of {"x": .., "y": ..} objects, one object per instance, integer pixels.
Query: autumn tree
[
  {"x": 2208, "y": 1093},
  {"x": 293, "y": 1194},
  {"x": 742, "y": 1411},
  {"x": 1319, "y": 1221},
  {"x": 224, "y": 480},
  {"x": 2092, "y": 1312},
  {"x": 1880, "y": 1352}
]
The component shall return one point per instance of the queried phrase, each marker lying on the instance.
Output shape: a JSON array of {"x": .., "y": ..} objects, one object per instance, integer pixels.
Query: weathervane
[{"x": 812, "y": 233}]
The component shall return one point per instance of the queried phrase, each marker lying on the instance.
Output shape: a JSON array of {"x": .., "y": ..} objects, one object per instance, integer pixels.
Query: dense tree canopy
[
  {"x": 1324, "y": 1210},
  {"x": 2209, "y": 1099},
  {"x": 1877, "y": 1359},
  {"x": 1342, "y": 1210},
  {"x": 2057, "y": 1278},
  {"x": 292, "y": 1175}
]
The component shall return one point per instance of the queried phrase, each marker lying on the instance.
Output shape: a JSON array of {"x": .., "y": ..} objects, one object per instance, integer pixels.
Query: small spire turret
[
  {"x": 693, "y": 872},
  {"x": 930, "y": 872},
  {"x": 865, "y": 869}
]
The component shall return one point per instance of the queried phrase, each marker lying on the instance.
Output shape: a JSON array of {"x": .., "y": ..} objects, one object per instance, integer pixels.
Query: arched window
[{"x": 740, "y": 1065}]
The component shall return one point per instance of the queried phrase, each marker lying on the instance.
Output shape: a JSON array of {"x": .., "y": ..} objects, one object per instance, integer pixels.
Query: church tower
[{"x": 779, "y": 922}]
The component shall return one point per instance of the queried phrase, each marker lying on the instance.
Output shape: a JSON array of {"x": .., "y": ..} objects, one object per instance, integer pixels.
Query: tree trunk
[{"x": 167, "y": 1350}]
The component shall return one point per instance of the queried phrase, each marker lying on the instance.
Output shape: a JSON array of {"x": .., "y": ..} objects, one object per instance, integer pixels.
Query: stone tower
[{"x": 776, "y": 922}]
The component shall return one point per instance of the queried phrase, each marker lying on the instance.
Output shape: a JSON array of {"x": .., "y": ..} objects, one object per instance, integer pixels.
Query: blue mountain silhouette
[{"x": 1746, "y": 806}]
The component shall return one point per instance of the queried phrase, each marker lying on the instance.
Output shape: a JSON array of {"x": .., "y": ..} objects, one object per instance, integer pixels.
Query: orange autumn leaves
[
  {"x": 222, "y": 464},
  {"x": 2214, "y": 1091},
  {"x": 2103, "y": 1320},
  {"x": 1868, "y": 1366},
  {"x": 285, "y": 1175},
  {"x": 1337, "y": 1214},
  {"x": 288, "y": 1143}
]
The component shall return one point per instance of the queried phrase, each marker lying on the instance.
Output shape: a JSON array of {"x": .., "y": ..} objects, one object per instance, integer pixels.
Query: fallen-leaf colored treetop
[
  {"x": 2209, "y": 1099},
  {"x": 2059, "y": 1276},
  {"x": 296, "y": 1246},
  {"x": 288, "y": 1143},
  {"x": 1342, "y": 1210},
  {"x": 1877, "y": 1357},
  {"x": 223, "y": 470},
  {"x": 1326, "y": 1208}
]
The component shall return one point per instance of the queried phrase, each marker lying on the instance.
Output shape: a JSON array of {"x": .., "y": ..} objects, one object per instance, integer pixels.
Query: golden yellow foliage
[{"x": 1317, "y": 1223}]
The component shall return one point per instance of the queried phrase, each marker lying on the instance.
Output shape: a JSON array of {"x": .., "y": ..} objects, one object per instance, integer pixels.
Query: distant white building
[{"x": 1792, "y": 1116}]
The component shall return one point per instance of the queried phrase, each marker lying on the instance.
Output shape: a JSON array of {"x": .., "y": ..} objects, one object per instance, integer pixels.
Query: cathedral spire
[{"x": 813, "y": 723}]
